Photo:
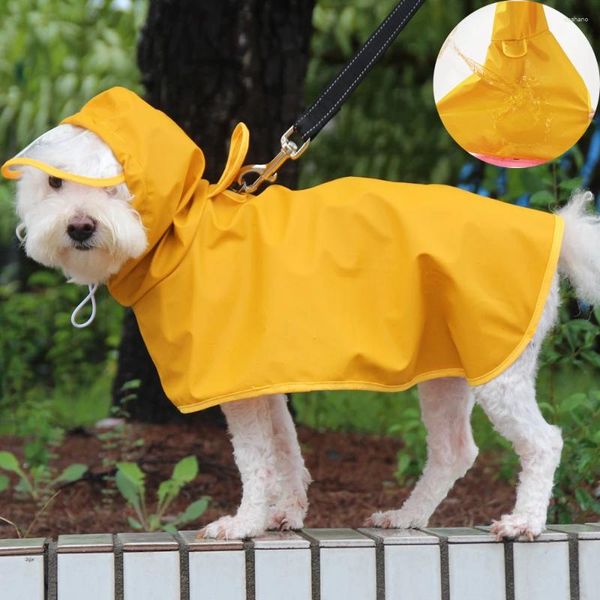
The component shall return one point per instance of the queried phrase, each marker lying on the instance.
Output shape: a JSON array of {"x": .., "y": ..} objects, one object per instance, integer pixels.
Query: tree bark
[{"x": 209, "y": 65}]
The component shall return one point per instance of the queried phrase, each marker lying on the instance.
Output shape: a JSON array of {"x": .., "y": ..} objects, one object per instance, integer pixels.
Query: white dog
[{"x": 89, "y": 232}]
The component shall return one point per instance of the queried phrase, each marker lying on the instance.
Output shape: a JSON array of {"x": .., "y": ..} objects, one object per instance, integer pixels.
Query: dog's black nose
[{"x": 81, "y": 228}]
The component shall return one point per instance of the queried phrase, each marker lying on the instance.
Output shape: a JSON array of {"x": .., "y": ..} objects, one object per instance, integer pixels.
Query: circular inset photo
[{"x": 516, "y": 83}]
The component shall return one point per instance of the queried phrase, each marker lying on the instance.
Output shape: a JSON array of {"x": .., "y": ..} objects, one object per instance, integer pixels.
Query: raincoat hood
[
  {"x": 353, "y": 284},
  {"x": 527, "y": 103},
  {"x": 163, "y": 169}
]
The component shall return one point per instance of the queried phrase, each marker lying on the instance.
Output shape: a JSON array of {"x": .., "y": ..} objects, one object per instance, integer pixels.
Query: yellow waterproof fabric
[
  {"x": 353, "y": 284},
  {"x": 527, "y": 101}
]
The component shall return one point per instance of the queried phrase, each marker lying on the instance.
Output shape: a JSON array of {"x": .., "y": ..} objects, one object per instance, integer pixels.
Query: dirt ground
[{"x": 353, "y": 476}]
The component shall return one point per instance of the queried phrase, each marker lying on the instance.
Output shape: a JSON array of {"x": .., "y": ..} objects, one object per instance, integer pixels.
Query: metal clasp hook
[{"x": 268, "y": 171}]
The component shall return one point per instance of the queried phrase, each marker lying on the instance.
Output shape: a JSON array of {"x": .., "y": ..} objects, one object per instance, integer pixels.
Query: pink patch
[{"x": 510, "y": 162}]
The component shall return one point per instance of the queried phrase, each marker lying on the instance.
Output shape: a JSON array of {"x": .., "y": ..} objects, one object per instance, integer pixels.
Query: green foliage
[
  {"x": 119, "y": 441},
  {"x": 131, "y": 482},
  {"x": 54, "y": 56},
  {"x": 577, "y": 476},
  {"x": 573, "y": 342},
  {"x": 351, "y": 410},
  {"x": 43, "y": 358},
  {"x": 411, "y": 459},
  {"x": 39, "y": 481}
]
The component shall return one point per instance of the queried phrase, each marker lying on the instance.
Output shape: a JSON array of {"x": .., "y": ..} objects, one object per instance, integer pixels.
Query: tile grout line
[
  {"x": 573, "y": 541},
  {"x": 444, "y": 568},
  {"x": 315, "y": 564},
  {"x": 379, "y": 564},
  {"x": 444, "y": 563},
  {"x": 119, "y": 573},
  {"x": 51, "y": 569},
  {"x": 184, "y": 567},
  {"x": 250, "y": 570},
  {"x": 509, "y": 570}
]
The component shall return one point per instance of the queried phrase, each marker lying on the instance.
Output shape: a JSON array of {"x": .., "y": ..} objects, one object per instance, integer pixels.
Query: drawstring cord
[{"x": 89, "y": 298}]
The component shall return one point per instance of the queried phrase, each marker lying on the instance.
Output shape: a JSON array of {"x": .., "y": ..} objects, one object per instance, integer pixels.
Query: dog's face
[{"x": 87, "y": 232}]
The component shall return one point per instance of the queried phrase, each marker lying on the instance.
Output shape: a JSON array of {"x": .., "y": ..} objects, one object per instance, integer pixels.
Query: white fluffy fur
[
  {"x": 264, "y": 439},
  {"x": 581, "y": 247},
  {"x": 45, "y": 212}
]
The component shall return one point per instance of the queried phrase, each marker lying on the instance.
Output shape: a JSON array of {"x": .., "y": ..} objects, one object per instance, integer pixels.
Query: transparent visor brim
[{"x": 61, "y": 153}]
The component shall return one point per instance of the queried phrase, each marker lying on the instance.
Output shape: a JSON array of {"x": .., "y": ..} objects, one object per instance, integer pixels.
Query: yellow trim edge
[{"x": 10, "y": 173}]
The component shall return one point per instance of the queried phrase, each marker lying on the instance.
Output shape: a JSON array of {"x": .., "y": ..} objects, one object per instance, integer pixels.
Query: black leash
[{"x": 310, "y": 123}]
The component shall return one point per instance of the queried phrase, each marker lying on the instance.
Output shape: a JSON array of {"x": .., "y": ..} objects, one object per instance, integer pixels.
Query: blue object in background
[
  {"x": 501, "y": 182},
  {"x": 470, "y": 175}
]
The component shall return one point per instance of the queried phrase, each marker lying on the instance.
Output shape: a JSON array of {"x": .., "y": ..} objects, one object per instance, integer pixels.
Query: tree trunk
[{"x": 209, "y": 65}]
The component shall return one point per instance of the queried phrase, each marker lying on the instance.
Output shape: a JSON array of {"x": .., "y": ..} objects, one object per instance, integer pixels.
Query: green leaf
[
  {"x": 128, "y": 490},
  {"x": 134, "y": 523},
  {"x": 185, "y": 470},
  {"x": 593, "y": 358},
  {"x": 584, "y": 499},
  {"x": 170, "y": 528},
  {"x": 9, "y": 462},
  {"x": 72, "y": 473},
  {"x": 133, "y": 473},
  {"x": 193, "y": 511},
  {"x": 167, "y": 490},
  {"x": 153, "y": 522},
  {"x": 132, "y": 384},
  {"x": 573, "y": 402},
  {"x": 571, "y": 184},
  {"x": 403, "y": 465},
  {"x": 542, "y": 199},
  {"x": 4, "y": 482}
]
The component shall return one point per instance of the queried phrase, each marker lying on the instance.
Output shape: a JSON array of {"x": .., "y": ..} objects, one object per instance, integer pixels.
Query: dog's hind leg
[
  {"x": 251, "y": 431},
  {"x": 446, "y": 406},
  {"x": 509, "y": 402},
  {"x": 289, "y": 508}
]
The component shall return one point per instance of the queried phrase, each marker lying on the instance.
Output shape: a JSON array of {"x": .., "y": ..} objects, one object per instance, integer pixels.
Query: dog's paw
[
  {"x": 235, "y": 527},
  {"x": 395, "y": 519},
  {"x": 515, "y": 525},
  {"x": 289, "y": 516}
]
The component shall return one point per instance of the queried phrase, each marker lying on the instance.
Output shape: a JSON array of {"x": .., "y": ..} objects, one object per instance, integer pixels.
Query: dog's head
[{"x": 88, "y": 232}]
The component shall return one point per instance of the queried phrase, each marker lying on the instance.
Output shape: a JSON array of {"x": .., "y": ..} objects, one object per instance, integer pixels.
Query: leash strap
[
  {"x": 326, "y": 106},
  {"x": 330, "y": 101}
]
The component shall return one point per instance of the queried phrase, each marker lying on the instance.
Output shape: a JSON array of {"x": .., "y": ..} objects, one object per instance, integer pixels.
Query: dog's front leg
[
  {"x": 251, "y": 429},
  {"x": 291, "y": 502}
]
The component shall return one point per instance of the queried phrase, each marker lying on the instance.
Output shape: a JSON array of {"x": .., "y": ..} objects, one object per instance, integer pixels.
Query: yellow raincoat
[
  {"x": 353, "y": 284},
  {"x": 527, "y": 102}
]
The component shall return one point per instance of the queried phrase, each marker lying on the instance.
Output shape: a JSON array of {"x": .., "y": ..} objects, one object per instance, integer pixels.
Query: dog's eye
[{"x": 55, "y": 182}]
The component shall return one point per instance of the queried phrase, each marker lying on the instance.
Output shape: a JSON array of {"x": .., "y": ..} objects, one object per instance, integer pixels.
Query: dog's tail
[{"x": 580, "y": 252}]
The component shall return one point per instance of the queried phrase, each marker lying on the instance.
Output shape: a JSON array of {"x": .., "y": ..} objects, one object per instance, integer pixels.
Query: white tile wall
[
  {"x": 412, "y": 572},
  {"x": 218, "y": 575},
  {"x": 541, "y": 571},
  {"x": 90, "y": 576},
  {"x": 151, "y": 575}
]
